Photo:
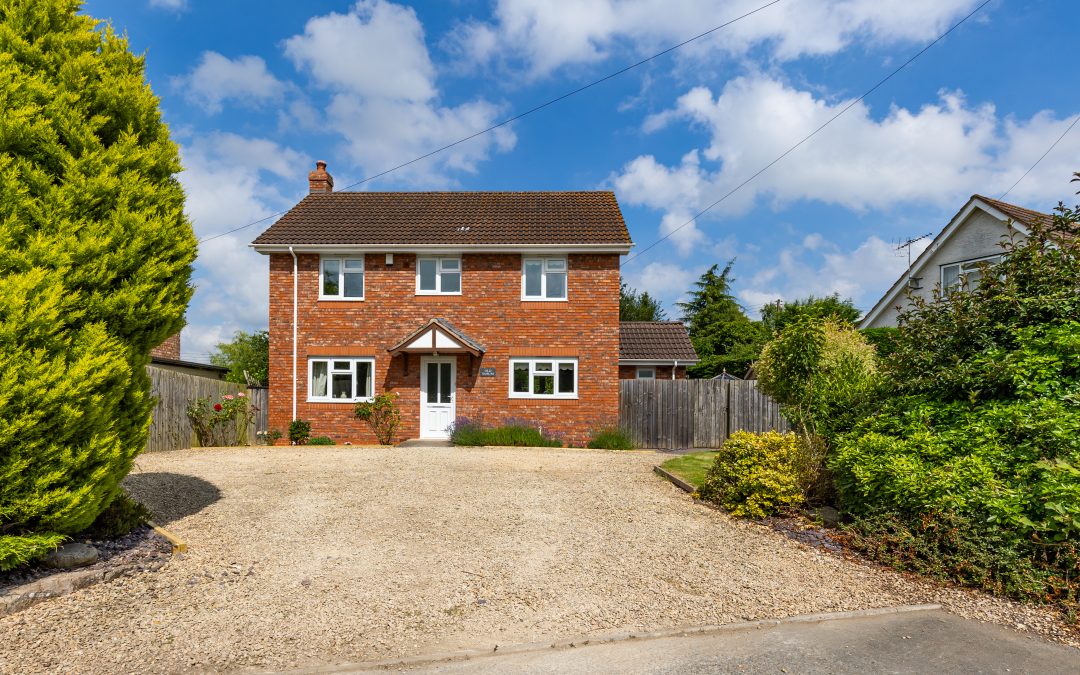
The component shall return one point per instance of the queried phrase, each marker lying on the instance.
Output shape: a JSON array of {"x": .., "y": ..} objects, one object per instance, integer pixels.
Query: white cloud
[
  {"x": 230, "y": 181},
  {"x": 819, "y": 267},
  {"x": 939, "y": 155},
  {"x": 544, "y": 36},
  {"x": 216, "y": 79},
  {"x": 174, "y": 5},
  {"x": 384, "y": 99},
  {"x": 662, "y": 280}
]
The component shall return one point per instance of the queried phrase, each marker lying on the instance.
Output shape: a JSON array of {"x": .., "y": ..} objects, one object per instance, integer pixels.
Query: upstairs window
[
  {"x": 964, "y": 275},
  {"x": 341, "y": 380},
  {"x": 543, "y": 279},
  {"x": 341, "y": 279},
  {"x": 438, "y": 276},
  {"x": 543, "y": 378}
]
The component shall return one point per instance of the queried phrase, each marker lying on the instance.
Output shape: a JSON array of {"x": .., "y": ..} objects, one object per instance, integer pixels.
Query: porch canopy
[{"x": 437, "y": 336}]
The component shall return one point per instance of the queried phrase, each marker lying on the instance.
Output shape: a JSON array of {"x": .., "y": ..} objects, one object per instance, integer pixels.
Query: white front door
[{"x": 438, "y": 391}]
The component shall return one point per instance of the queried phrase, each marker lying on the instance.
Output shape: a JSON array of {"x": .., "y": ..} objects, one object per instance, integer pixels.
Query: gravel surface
[{"x": 315, "y": 556}]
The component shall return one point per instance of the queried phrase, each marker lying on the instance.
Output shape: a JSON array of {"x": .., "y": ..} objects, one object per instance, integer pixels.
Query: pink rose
[
  {"x": 228, "y": 397},
  {"x": 240, "y": 395}
]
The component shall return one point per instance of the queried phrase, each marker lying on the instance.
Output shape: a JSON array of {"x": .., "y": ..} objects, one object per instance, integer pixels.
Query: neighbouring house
[
  {"x": 167, "y": 357},
  {"x": 654, "y": 350},
  {"x": 486, "y": 305},
  {"x": 954, "y": 258}
]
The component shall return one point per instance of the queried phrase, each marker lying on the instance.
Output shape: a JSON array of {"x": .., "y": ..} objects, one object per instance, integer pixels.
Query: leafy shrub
[
  {"x": 515, "y": 433},
  {"x": 320, "y": 440},
  {"x": 123, "y": 515},
  {"x": 382, "y": 415},
  {"x": 756, "y": 475},
  {"x": 223, "y": 422},
  {"x": 966, "y": 464},
  {"x": 95, "y": 265},
  {"x": 882, "y": 339},
  {"x": 610, "y": 438},
  {"x": 299, "y": 432},
  {"x": 269, "y": 437},
  {"x": 818, "y": 371}
]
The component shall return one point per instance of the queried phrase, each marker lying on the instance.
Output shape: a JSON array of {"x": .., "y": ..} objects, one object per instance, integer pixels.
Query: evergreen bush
[
  {"x": 95, "y": 262},
  {"x": 756, "y": 475}
]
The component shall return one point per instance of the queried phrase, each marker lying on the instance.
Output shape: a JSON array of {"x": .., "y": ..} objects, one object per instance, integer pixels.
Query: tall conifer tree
[{"x": 95, "y": 263}]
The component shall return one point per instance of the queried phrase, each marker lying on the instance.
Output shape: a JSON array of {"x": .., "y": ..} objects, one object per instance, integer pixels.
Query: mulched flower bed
[{"x": 142, "y": 549}]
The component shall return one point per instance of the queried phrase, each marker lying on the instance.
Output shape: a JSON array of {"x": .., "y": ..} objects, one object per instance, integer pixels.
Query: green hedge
[{"x": 755, "y": 475}]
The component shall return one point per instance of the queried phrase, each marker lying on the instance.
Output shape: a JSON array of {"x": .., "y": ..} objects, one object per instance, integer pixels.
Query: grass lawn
[{"x": 692, "y": 467}]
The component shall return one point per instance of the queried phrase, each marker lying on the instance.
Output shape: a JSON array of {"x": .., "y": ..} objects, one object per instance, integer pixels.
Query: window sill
[
  {"x": 341, "y": 400},
  {"x": 524, "y": 299},
  {"x": 334, "y": 299},
  {"x": 556, "y": 397}
]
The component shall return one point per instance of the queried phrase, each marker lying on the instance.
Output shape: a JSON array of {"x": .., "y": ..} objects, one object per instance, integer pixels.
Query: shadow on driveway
[{"x": 171, "y": 496}]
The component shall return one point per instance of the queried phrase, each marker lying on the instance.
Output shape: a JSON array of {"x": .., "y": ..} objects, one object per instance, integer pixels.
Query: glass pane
[
  {"x": 556, "y": 284},
  {"x": 534, "y": 270},
  {"x": 354, "y": 265},
  {"x": 342, "y": 385},
  {"x": 318, "y": 378},
  {"x": 330, "y": 277},
  {"x": 646, "y": 374},
  {"x": 432, "y": 383},
  {"x": 449, "y": 264},
  {"x": 950, "y": 276},
  {"x": 354, "y": 284},
  {"x": 521, "y": 378},
  {"x": 342, "y": 365},
  {"x": 566, "y": 378},
  {"x": 363, "y": 379},
  {"x": 445, "y": 389},
  {"x": 451, "y": 282},
  {"x": 427, "y": 274},
  {"x": 973, "y": 275},
  {"x": 543, "y": 384},
  {"x": 556, "y": 265}
]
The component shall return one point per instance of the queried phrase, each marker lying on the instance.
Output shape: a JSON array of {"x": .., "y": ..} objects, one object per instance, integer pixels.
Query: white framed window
[
  {"x": 341, "y": 380},
  {"x": 341, "y": 278},
  {"x": 543, "y": 278},
  {"x": 964, "y": 274},
  {"x": 646, "y": 373},
  {"x": 543, "y": 378},
  {"x": 438, "y": 276}
]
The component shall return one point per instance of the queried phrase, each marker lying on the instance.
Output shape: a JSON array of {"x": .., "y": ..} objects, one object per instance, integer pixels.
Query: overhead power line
[
  {"x": 520, "y": 115},
  {"x": 1052, "y": 146},
  {"x": 806, "y": 138}
]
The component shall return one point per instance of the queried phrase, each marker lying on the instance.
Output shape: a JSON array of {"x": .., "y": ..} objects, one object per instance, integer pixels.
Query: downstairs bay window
[
  {"x": 341, "y": 380},
  {"x": 543, "y": 378}
]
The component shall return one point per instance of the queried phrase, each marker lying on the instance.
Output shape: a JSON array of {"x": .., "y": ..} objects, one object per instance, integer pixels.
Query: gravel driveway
[{"x": 324, "y": 555}]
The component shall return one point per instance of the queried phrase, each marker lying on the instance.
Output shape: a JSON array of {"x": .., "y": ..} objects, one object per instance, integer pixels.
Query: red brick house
[
  {"x": 490, "y": 305},
  {"x": 654, "y": 350}
]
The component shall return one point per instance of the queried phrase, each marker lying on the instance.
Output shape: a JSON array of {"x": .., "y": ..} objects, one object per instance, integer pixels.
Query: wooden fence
[
  {"x": 170, "y": 428},
  {"x": 670, "y": 414}
]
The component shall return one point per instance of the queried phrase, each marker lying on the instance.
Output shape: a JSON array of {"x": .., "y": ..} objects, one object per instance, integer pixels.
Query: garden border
[
  {"x": 675, "y": 480},
  {"x": 30, "y": 594}
]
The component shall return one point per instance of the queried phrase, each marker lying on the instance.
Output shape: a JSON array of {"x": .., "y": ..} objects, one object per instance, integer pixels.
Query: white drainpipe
[
  {"x": 674, "y": 368},
  {"x": 295, "y": 272}
]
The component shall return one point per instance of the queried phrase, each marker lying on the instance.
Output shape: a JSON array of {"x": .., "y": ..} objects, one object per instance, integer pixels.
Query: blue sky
[{"x": 254, "y": 92}]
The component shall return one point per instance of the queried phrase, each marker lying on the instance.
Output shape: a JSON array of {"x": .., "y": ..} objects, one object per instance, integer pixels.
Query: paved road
[{"x": 916, "y": 642}]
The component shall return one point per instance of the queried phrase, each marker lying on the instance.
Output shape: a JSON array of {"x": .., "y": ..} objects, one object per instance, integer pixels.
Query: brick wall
[
  {"x": 662, "y": 372},
  {"x": 170, "y": 349},
  {"x": 489, "y": 311}
]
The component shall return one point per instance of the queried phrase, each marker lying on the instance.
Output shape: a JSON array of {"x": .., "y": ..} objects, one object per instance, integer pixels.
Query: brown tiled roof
[
  {"x": 655, "y": 340},
  {"x": 1017, "y": 213},
  {"x": 451, "y": 218}
]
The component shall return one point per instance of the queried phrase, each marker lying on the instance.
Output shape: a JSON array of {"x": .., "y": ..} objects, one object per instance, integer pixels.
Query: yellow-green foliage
[
  {"x": 817, "y": 370},
  {"x": 756, "y": 475},
  {"x": 95, "y": 262}
]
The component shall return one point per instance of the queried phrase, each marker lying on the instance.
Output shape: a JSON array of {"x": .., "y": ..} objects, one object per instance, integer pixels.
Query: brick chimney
[{"x": 319, "y": 180}]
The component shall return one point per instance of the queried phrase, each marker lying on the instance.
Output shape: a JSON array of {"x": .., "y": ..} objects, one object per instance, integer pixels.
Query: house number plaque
[{"x": 487, "y": 372}]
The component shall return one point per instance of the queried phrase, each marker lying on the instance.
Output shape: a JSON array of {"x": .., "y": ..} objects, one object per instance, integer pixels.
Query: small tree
[
  {"x": 776, "y": 316},
  {"x": 639, "y": 307},
  {"x": 247, "y": 357}
]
